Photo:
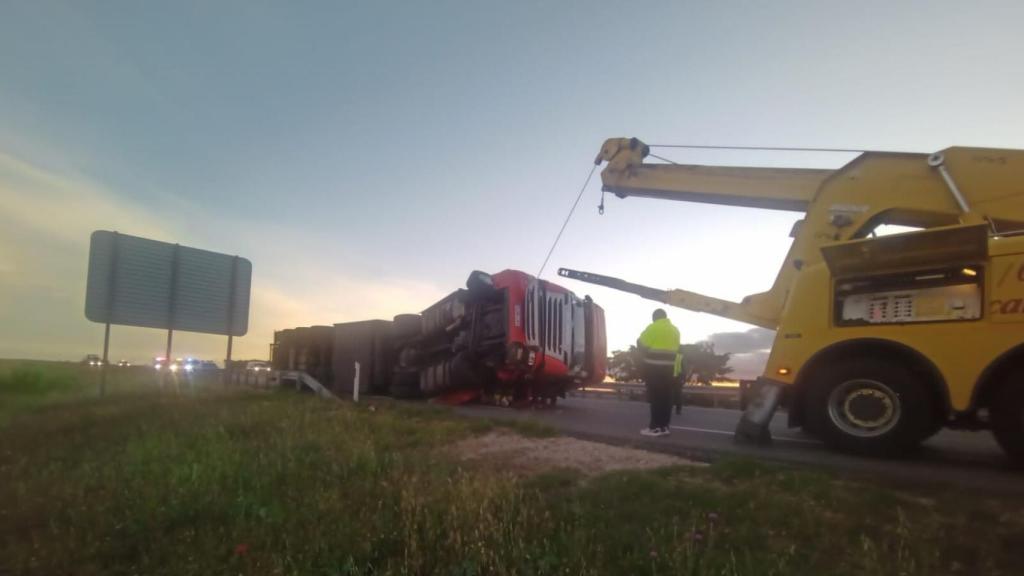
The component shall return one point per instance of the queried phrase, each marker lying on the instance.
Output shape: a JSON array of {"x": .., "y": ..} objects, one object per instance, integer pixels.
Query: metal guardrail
[
  {"x": 301, "y": 379},
  {"x": 716, "y": 397},
  {"x": 259, "y": 379},
  {"x": 278, "y": 378}
]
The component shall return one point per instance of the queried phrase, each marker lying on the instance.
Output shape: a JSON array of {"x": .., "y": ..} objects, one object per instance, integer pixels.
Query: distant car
[
  {"x": 184, "y": 364},
  {"x": 92, "y": 360},
  {"x": 193, "y": 365},
  {"x": 188, "y": 365},
  {"x": 257, "y": 367},
  {"x": 161, "y": 363},
  {"x": 124, "y": 363}
]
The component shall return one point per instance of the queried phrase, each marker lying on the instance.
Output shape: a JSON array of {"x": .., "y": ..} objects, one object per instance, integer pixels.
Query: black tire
[
  {"x": 1007, "y": 413},
  {"x": 480, "y": 283},
  {"x": 869, "y": 406},
  {"x": 407, "y": 326}
]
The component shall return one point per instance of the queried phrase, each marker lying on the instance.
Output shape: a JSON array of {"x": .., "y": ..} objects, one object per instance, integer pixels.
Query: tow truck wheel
[
  {"x": 1007, "y": 412},
  {"x": 870, "y": 407}
]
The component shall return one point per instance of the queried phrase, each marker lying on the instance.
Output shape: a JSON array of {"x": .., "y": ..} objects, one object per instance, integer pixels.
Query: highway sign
[{"x": 139, "y": 282}]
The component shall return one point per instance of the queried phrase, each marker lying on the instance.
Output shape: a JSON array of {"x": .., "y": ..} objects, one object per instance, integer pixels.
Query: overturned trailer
[{"x": 506, "y": 338}]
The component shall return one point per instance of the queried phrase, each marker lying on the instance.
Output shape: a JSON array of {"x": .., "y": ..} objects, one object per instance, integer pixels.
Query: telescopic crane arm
[
  {"x": 678, "y": 298},
  {"x": 838, "y": 205},
  {"x": 774, "y": 188}
]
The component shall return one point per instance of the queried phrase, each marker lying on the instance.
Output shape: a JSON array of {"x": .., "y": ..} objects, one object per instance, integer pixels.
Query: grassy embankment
[{"x": 223, "y": 482}]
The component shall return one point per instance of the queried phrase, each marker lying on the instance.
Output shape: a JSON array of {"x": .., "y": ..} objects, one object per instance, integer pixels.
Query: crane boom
[
  {"x": 874, "y": 188},
  {"x": 773, "y": 188},
  {"x": 679, "y": 298}
]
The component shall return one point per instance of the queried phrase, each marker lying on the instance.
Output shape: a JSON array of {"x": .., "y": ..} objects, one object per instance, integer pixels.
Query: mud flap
[{"x": 753, "y": 425}]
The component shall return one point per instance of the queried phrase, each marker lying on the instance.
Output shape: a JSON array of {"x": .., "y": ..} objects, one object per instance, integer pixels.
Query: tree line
[{"x": 701, "y": 365}]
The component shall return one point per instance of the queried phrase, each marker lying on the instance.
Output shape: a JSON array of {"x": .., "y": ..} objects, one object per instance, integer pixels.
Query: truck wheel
[
  {"x": 1007, "y": 413},
  {"x": 870, "y": 407},
  {"x": 407, "y": 326},
  {"x": 480, "y": 283}
]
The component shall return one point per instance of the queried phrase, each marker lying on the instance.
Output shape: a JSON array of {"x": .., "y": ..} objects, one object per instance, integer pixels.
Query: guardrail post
[{"x": 355, "y": 385}]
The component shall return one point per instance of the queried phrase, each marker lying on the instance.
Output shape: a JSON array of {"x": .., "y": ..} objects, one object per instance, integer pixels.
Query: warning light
[
  {"x": 969, "y": 272},
  {"x": 783, "y": 371}
]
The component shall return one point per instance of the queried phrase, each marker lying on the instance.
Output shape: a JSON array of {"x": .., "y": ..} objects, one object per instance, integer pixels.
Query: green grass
[
  {"x": 217, "y": 482},
  {"x": 27, "y": 384}
]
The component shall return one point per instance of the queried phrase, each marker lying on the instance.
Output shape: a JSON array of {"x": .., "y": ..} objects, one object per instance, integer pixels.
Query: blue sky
[{"x": 367, "y": 155}]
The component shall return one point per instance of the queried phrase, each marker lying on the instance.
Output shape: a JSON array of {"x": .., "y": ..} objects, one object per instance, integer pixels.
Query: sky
[{"x": 366, "y": 156}]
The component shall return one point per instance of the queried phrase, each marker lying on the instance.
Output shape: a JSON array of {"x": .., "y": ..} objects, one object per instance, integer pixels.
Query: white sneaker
[
  {"x": 649, "y": 432},
  {"x": 664, "y": 431}
]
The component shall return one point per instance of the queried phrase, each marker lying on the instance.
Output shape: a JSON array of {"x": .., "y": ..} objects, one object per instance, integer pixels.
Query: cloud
[
  {"x": 44, "y": 233},
  {"x": 748, "y": 365},
  {"x": 63, "y": 208},
  {"x": 749, "y": 350},
  {"x": 334, "y": 298},
  {"x": 753, "y": 340}
]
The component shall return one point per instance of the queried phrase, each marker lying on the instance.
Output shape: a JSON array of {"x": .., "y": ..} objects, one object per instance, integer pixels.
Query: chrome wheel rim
[{"x": 864, "y": 408}]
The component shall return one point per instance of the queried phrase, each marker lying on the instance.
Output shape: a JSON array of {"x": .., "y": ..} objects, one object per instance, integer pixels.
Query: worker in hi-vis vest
[{"x": 662, "y": 363}]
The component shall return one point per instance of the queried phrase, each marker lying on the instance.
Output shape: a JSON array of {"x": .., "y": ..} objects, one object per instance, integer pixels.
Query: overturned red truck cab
[{"x": 506, "y": 338}]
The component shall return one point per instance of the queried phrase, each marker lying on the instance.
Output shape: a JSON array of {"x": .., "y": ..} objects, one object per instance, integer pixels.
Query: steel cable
[{"x": 567, "y": 218}]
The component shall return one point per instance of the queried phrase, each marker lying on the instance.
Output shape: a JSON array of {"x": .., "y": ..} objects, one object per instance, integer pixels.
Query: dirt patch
[{"x": 533, "y": 455}]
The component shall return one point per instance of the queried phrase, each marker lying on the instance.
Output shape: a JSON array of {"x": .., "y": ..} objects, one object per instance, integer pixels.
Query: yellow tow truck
[{"x": 881, "y": 340}]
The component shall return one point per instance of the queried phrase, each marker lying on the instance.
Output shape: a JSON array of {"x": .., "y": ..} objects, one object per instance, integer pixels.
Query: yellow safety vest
[{"x": 659, "y": 344}]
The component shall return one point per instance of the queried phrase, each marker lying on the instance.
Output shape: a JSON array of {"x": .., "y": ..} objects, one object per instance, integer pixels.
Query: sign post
[
  {"x": 172, "y": 299},
  {"x": 355, "y": 385},
  {"x": 106, "y": 329},
  {"x": 228, "y": 369},
  {"x": 106, "y": 362}
]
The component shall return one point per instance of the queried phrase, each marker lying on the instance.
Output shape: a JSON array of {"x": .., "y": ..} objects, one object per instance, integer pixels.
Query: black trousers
[{"x": 659, "y": 380}]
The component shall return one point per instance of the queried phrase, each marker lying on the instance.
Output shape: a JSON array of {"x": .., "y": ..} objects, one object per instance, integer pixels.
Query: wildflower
[{"x": 241, "y": 549}]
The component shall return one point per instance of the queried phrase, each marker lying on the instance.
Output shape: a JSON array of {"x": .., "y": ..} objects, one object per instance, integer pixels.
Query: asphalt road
[{"x": 969, "y": 460}]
